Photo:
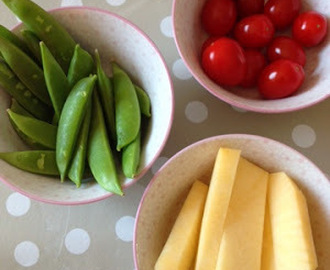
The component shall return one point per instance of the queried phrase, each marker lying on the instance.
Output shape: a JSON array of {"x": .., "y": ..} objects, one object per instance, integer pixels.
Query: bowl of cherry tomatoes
[{"x": 263, "y": 56}]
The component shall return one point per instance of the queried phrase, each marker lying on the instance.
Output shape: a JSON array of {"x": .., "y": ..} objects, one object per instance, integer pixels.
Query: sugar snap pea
[
  {"x": 70, "y": 122},
  {"x": 17, "y": 108},
  {"x": 32, "y": 42},
  {"x": 15, "y": 88},
  {"x": 99, "y": 155},
  {"x": 34, "y": 161},
  {"x": 26, "y": 69},
  {"x": 81, "y": 65},
  {"x": 56, "y": 81},
  {"x": 106, "y": 96},
  {"x": 77, "y": 167},
  {"x": 13, "y": 38},
  {"x": 46, "y": 27},
  {"x": 131, "y": 157},
  {"x": 127, "y": 110},
  {"x": 35, "y": 132},
  {"x": 144, "y": 101}
]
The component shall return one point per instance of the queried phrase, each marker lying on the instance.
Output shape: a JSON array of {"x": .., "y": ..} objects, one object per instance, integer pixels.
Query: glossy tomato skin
[
  {"x": 309, "y": 28},
  {"x": 283, "y": 47},
  {"x": 280, "y": 79},
  {"x": 255, "y": 61},
  {"x": 254, "y": 31},
  {"x": 249, "y": 7},
  {"x": 282, "y": 12},
  {"x": 218, "y": 16},
  {"x": 224, "y": 62}
]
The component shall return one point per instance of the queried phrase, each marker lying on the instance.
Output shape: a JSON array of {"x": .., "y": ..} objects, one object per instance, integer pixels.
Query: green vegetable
[
  {"x": 81, "y": 65},
  {"x": 70, "y": 121},
  {"x": 77, "y": 167},
  {"x": 105, "y": 91},
  {"x": 34, "y": 132},
  {"x": 13, "y": 38},
  {"x": 100, "y": 157},
  {"x": 131, "y": 157},
  {"x": 144, "y": 101},
  {"x": 15, "y": 88},
  {"x": 56, "y": 81},
  {"x": 127, "y": 110},
  {"x": 34, "y": 161},
  {"x": 46, "y": 27},
  {"x": 17, "y": 108},
  {"x": 32, "y": 42},
  {"x": 26, "y": 69}
]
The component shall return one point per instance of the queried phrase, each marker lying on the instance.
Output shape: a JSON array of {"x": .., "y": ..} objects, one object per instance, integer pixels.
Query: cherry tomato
[
  {"x": 255, "y": 61},
  {"x": 254, "y": 31},
  {"x": 249, "y": 7},
  {"x": 286, "y": 48},
  {"x": 208, "y": 42},
  {"x": 282, "y": 12},
  {"x": 224, "y": 61},
  {"x": 280, "y": 79},
  {"x": 309, "y": 28},
  {"x": 218, "y": 16}
]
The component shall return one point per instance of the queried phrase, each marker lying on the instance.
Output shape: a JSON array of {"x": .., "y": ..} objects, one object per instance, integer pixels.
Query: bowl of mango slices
[{"x": 234, "y": 201}]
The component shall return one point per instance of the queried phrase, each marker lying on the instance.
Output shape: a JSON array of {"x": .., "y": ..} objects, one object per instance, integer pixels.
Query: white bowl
[
  {"x": 166, "y": 192},
  {"x": 189, "y": 36},
  {"x": 115, "y": 38}
]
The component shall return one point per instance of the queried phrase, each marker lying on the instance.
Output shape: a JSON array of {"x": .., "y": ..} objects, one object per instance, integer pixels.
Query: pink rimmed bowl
[
  {"x": 166, "y": 192},
  {"x": 118, "y": 39}
]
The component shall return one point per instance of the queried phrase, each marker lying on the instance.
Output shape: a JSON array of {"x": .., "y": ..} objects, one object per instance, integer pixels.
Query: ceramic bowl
[
  {"x": 189, "y": 37},
  {"x": 166, "y": 192},
  {"x": 115, "y": 38}
]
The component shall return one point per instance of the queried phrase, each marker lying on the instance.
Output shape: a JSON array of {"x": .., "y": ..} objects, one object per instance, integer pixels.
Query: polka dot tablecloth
[{"x": 99, "y": 236}]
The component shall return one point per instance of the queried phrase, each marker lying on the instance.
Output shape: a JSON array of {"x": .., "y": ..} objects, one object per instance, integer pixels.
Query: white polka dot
[
  {"x": 26, "y": 253},
  {"x": 303, "y": 136},
  {"x": 180, "y": 70},
  {"x": 77, "y": 241},
  {"x": 125, "y": 228},
  {"x": 17, "y": 204},
  {"x": 67, "y": 3},
  {"x": 116, "y": 2},
  {"x": 239, "y": 109},
  {"x": 166, "y": 26},
  {"x": 196, "y": 112},
  {"x": 158, "y": 164}
]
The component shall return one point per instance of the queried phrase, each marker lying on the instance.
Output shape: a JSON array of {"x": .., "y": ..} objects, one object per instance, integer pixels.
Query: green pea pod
[
  {"x": 131, "y": 157},
  {"x": 17, "y": 108},
  {"x": 127, "y": 110},
  {"x": 70, "y": 121},
  {"x": 34, "y": 161},
  {"x": 13, "y": 38},
  {"x": 77, "y": 167},
  {"x": 25, "y": 69},
  {"x": 106, "y": 96},
  {"x": 34, "y": 132},
  {"x": 46, "y": 27},
  {"x": 32, "y": 42},
  {"x": 81, "y": 65},
  {"x": 15, "y": 88},
  {"x": 144, "y": 101},
  {"x": 56, "y": 81},
  {"x": 99, "y": 155}
]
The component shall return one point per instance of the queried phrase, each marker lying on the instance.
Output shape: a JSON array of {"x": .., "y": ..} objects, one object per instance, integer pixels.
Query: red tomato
[
  {"x": 218, "y": 16},
  {"x": 282, "y": 12},
  {"x": 286, "y": 48},
  {"x": 254, "y": 31},
  {"x": 224, "y": 61},
  {"x": 280, "y": 79},
  {"x": 249, "y": 7},
  {"x": 255, "y": 63},
  {"x": 309, "y": 28},
  {"x": 208, "y": 42}
]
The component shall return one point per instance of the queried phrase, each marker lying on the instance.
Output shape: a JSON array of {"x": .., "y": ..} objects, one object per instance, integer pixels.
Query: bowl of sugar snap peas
[{"x": 86, "y": 103}]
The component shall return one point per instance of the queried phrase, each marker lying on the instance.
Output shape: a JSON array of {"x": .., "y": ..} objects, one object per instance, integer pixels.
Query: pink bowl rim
[
  {"x": 227, "y": 99},
  {"x": 200, "y": 142},
  {"x": 168, "y": 130}
]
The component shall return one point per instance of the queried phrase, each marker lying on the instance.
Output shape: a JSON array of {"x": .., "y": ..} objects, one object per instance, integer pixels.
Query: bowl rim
[
  {"x": 228, "y": 99},
  {"x": 193, "y": 145},
  {"x": 168, "y": 129}
]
